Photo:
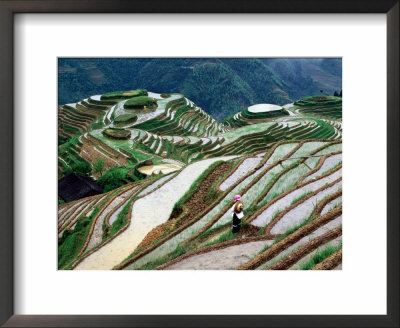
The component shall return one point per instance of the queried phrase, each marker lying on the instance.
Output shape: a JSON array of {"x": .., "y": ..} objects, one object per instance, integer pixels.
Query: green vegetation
[
  {"x": 125, "y": 119},
  {"x": 124, "y": 94},
  {"x": 116, "y": 177},
  {"x": 178, "y": 251},
  {"x": 227, "y": 235},
  {"x": 331, "y": 168},
  {"x": 264, "y": 249},
  {"x": 178, "y": 207},
  {"x": 246, "y": 130},
  {"x": 119, "y": 223},
  {"x": 246, "y": 144},
  {"x": 117, "y": 133},
  {"x": 213, "y": 192},
  {"x": 320, "y": 256},
  {"x": 97, "y": 125},
  {"x": 82, "y": 168},
  {"x": 212, "y": 230},
  {"x": 141, "y": 102},
  {"x": 90, "y": 132},
  {"x": 247, "y": 115},
  {"x": 222, "y": 86},
  {"x": 67, "y": 145},
  {"x": 166, "y": 126},
  {"x": 325, "y": 106},
  {"x": 62, "y": 139},
  {"x": 294, "y": 228},
  {"x": 140, "y": 156},
  {"x": 69, "y": 159},
  {"x": 70, "y": 129},
  {"x": 302, "y": 196},
  {"x": 101, "y": 102},
  {"x": 185, "y": 150},
  {"x": 73, "y": 121},
  {"x": 98, "y": 166},
  {"x": 71, "y": 243}
]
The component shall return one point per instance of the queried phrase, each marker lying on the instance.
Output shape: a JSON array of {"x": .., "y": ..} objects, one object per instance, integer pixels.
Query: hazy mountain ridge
[{"x": 221, "y": 86}]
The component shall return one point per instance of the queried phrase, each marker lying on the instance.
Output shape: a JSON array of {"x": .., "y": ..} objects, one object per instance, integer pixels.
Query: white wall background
[{"x": 359, "y": 289}]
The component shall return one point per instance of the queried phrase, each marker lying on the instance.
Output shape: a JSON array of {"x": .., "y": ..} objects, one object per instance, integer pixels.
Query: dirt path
[
  {"x": 147, "y": 213},
  {"x": 223, "y": 259},
  {"x": 265, "y": 217}
]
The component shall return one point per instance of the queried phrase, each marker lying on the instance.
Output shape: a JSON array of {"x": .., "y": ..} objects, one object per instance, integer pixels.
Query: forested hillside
[{"x": 221, "y": 86}]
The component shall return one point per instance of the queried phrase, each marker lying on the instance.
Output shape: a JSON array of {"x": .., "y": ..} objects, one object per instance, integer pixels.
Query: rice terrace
[{"x": 149, "y": 180}]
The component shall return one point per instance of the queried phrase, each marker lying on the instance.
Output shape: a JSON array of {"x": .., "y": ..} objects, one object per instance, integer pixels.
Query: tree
[
  {"x": 114, "y": 178},
  {"x": 99, "y": 166},
  {"x": 82, "y": 168},
  {"x": 336, "y": 94}
]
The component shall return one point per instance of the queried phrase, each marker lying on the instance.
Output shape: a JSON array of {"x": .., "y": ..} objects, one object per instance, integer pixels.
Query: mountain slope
[
  {"x": 171, "y": 172},
  {"x": 221, "y": 86}
]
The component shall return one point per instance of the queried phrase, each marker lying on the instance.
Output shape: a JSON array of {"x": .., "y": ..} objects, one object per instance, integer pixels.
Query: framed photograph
[{"x": 183, "y": 165}]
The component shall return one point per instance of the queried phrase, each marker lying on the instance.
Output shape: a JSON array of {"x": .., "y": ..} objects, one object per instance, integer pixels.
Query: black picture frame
[{"x": 11, "y": 7}]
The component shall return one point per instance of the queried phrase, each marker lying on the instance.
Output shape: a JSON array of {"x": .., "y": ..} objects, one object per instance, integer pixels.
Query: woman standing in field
[{"x": 237, "y": 210}]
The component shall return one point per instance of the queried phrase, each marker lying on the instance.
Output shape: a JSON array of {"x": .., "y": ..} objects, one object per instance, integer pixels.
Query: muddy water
[
  {"x": 161, "y": 168},
  {"x": 147, "y": 213}
]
